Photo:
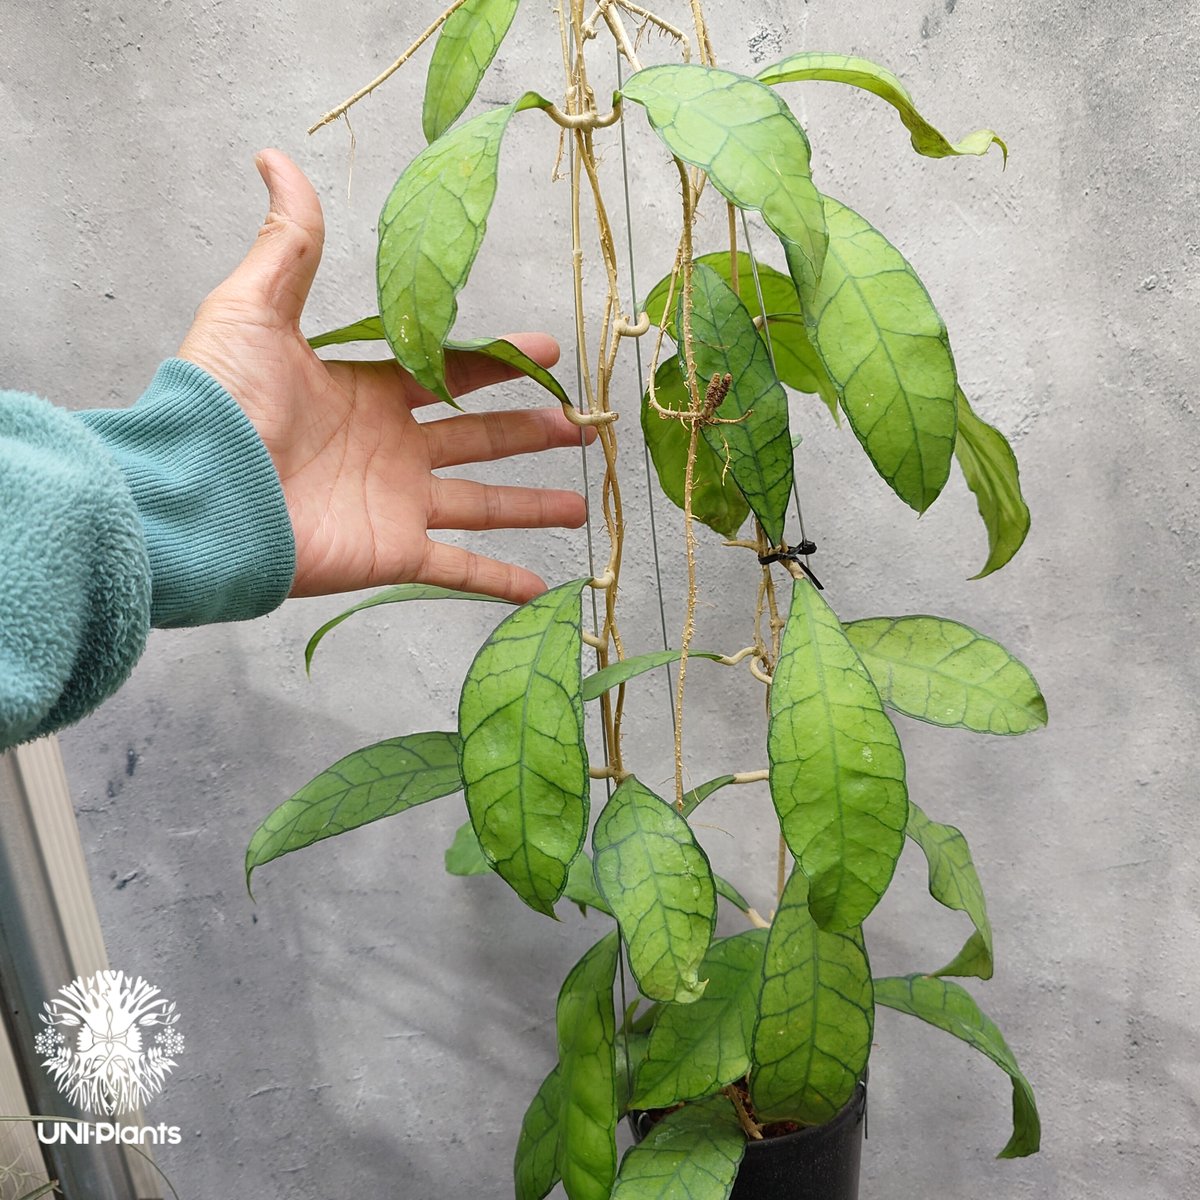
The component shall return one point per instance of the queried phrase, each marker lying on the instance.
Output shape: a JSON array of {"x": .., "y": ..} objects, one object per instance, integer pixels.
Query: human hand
[{"x": 357, "y": 468}]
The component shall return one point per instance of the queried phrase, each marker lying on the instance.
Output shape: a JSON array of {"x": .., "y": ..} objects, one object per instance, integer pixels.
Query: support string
[{"x": 641, "y": 374}]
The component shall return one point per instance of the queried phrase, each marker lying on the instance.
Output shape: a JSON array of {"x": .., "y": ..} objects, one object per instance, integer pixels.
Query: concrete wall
[{"x": 373, "y": 1028}]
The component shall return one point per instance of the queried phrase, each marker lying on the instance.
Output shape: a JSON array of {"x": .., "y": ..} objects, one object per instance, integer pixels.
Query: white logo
[{"x": 110, "y": 1041}]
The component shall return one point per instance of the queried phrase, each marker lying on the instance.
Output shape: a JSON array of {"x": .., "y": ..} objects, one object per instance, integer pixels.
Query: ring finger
[{"x": 465, "y": 504}]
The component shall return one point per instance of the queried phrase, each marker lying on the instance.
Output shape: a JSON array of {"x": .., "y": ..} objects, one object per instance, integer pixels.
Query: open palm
[{"x": 356, "y": 466}]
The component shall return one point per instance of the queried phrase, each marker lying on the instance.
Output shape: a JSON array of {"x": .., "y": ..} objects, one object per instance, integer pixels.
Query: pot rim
[{"x": 855, "y": 1109}]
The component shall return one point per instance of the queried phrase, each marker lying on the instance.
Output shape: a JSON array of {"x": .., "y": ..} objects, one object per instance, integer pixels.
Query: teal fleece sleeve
[{"x": 168, "y": 513}]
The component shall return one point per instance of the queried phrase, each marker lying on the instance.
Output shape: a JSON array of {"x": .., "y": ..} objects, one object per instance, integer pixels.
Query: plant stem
[
  {"x": 776, "y": 625},
  {"x": 689, "y": 535},
  {"x": 649, "y": 18},
  {"x": 750, "y": 1127},
  {"x": 706, "y": 51},
  {"x": 334, "y": 113}
]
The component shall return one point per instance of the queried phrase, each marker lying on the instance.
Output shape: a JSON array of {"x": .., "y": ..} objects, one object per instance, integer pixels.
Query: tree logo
[{"x": 109, "y": 1043}]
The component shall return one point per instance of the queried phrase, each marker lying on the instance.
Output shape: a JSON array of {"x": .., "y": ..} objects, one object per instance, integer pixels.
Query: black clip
[{"x": 792, "y": 554}]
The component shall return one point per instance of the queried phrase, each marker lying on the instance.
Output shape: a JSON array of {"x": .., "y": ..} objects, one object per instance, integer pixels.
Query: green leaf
[
  {"x": 505, "y": 352},
  {"x": 375, "y": 782},
  {"x": 945, "y": 673},
  {"x": 693, "y": 799},
  {"x": 716, "y": 501},
  {"x": 587, "y": 1122},
  {"x": 596, "y": 684},
  {"x": 581, "y": 887},
  {"x": 535, "y": 1167},
  {"x": 815, "y": 1015},
  {"x": 430, "y": 231},
  {"x": 953, "y": 882},
  {"x": 524, "y": 762},
  {"x": 370, "y": 329},
  {"x": 870, "y": 77},
  {"x": 990, "y": 469},
  {"x": 399, "y": 594},
  {"x": 697, "y": 1048},
  {"x": 778, "y": 291},
  {"x": 464, "y": 855},
  {"x": 974, "y": 959},
  {"x": 796, "y": 362},
  {"x": 886, "y": 349},
  {"x": 758, "y": 448},
  {"x": 465, "y": 48},
  {"x": 950, "y": 1007},
  {"x": 745, "y": 138},
  {"x": 692, "y": 1154},
  {"x": 836, "y": 768},
  {"x": 657, "y": 881},
  {"x": 726, "y": 889}
]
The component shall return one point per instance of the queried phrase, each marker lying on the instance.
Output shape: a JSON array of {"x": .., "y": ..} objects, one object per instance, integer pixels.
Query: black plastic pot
[{"x": 818, "y": 1163}]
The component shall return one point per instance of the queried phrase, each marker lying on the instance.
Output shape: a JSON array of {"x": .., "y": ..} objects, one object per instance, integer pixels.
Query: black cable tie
[
  {"x": 792, "y": 554},
  {"x": 815, "y": 581}
]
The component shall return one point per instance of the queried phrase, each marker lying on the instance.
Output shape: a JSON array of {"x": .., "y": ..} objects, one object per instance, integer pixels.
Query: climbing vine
[{"x": 773, "y": 1023}]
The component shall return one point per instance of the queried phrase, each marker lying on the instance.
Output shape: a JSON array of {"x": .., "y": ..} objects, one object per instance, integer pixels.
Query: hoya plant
[{"x": 769, "y": 1027}]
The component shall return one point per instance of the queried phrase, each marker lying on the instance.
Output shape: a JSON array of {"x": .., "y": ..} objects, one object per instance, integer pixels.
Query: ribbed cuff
[{"x": 212, "y": 509}]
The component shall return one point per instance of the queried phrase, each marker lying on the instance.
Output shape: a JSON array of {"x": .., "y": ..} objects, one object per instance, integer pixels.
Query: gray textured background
[{"x": 373, "y": 1028}]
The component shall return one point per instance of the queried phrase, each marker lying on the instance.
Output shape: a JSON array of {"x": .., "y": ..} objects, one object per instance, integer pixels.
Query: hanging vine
[{"x": 773, "y": 1024}]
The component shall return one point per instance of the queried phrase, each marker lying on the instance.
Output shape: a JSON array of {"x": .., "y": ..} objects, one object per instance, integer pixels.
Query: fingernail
[{"x": 264, "y": 169}]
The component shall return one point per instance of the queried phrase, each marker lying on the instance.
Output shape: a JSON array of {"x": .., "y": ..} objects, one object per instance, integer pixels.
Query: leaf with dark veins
[
  {"x": 691, "y": 1154},
  {"x": 587, "y": 1123},
  {"x": 950, "y": 1007},
  {"x": 524, "y": 762},
  {"x": 757, "y": 446},
  {"x": 750, "y": 145},
  {"x": 657, "y": 881},
  {"x": 990, "y": 468},
  {"x": 716, "y": 500},
  {"x": 535, "y": 1166},
  {"x": 368, "y": 785},
  {"x": 401, "y": 593},
  {"x": 946, "y": 673},
  {"x": 430, "y": 231},
  {"x": 815, "y": 1016},
  {"x": 836, "y": 767},
  {"x": 954, "y": 882},
  {"x": 871, "y": 77},
  {"x": 697, "y": 1048},
  {"x": 887, "y": 351},
  {"x": 796, "y": 362},
  {"x": 370, "y": 329},
  {"x": 465, "y": 48}
]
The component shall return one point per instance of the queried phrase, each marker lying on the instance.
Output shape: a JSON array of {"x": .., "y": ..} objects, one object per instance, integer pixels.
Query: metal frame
[{"x": 49, "y": 934}]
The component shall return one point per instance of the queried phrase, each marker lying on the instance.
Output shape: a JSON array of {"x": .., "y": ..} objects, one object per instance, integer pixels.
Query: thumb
[{"x": 279, "y": 269}]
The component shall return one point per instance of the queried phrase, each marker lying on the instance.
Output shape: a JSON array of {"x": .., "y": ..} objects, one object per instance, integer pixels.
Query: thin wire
[
  {"x": 771, "y": 353},
  {"x": 596, "y": 619},
  {"x": 641, "y": 373}
]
